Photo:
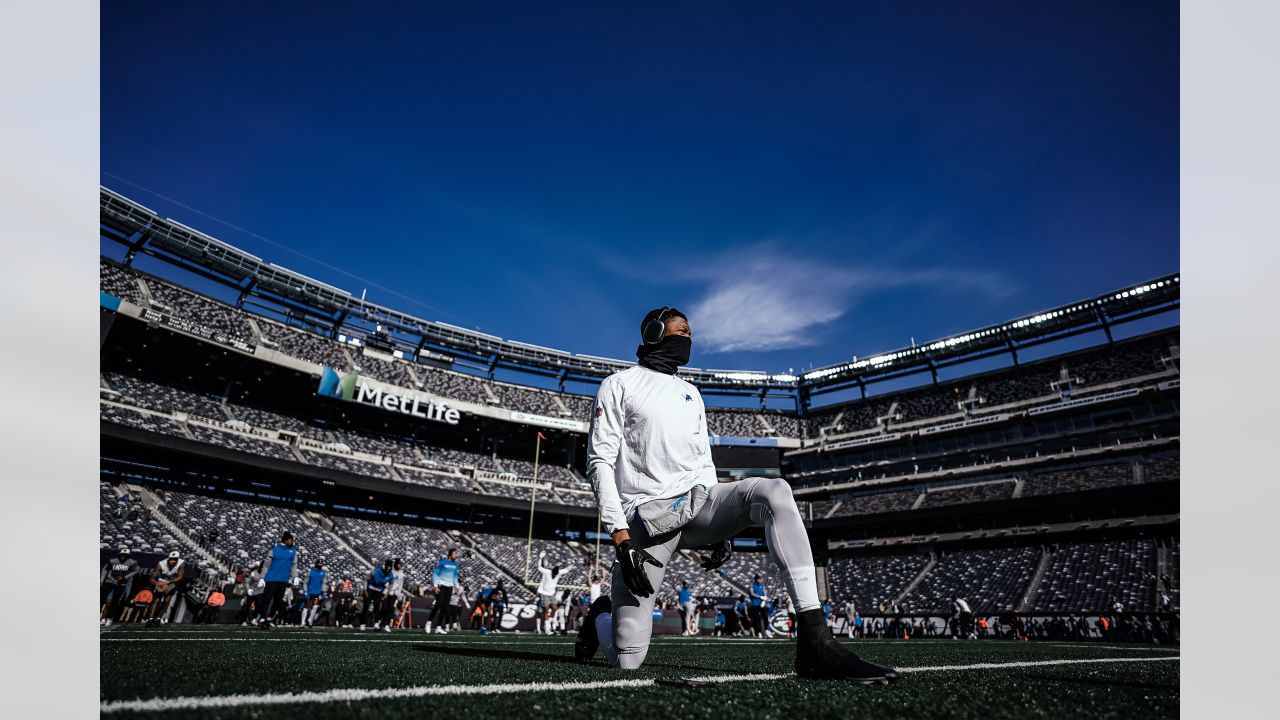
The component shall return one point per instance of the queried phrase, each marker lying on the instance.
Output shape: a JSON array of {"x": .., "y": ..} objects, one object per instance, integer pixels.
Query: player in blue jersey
[
  {"x": 393, "y": 597},
  {"x": 686, "y": 609},
  {"x": 480, "y": 615},
  {"x": 280, "y": 569},
  {"x": 759, "y": 620},
  {"x": 317, "y": 579},
  {"x": 444, "y": 578},
  {"x": 741, "y": 616},
  {"x": 374, "y": 592},
  {"x": 497, "y": 606}
]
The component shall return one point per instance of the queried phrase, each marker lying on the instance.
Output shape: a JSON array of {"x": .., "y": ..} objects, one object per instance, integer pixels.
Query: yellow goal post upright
[
  {"x": 533, "y": 499},
  {"x": 528, "y": 547}
]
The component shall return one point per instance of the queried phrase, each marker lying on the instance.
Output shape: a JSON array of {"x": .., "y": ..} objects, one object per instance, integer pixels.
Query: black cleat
[
  {"x": 819, "y": 656},
  {"x": 585, "y": 647}
]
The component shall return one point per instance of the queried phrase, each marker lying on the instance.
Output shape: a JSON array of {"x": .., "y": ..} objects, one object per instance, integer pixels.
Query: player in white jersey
[
  {"x": 168, "y": 580},
  {"x": 559, "y": 619},
  {"x": 850, "y": 612},
  {"x": 594, "y": 589},
  {"x": 546, "y": 594},
  {"x": 963, "y": 619},
  {"x": 394, "y": 598},
  {"x": 649, "y": 461}
]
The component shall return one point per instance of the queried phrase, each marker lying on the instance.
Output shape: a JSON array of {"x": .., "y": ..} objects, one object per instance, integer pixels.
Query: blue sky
[{"x": 808, "y": 181}]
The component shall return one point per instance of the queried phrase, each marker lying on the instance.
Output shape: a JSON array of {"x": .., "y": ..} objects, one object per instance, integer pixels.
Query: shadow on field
[{"x": 499, "y": 654}]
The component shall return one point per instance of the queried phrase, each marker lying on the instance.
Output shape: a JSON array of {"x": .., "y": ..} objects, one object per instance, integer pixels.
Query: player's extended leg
[
  {"x": 632, "y": 618},
  {"x": 734, "y": 507},
  {"x": 108, "y": 592},
  {"x": 731, "y": 508}
]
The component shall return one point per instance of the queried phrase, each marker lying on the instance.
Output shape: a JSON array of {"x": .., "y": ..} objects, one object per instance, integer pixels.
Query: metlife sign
[{"x": 352, "y": 388}]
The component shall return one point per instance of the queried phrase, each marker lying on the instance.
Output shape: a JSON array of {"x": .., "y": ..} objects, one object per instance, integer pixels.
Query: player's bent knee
[
  {"x": 632, "y": 637},
  {"x": 778, "y": 489},
  {"x": 772, "y": 495}
]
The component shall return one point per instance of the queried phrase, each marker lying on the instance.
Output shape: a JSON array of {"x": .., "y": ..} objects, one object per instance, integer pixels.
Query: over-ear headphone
[{"x": 655, "y": 328}]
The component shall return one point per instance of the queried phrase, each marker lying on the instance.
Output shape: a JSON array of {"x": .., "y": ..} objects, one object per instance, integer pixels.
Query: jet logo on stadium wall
[{"x": 352, "y": 388}]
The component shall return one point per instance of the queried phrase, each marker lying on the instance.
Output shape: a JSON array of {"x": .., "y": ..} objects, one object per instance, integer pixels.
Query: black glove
[
  {"x": 719, "y": 555},
  {"x": 632, "y": 557}
]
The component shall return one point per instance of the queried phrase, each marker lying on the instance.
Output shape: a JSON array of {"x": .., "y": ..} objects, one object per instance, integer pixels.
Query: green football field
[{"x": 234, "y": 672}]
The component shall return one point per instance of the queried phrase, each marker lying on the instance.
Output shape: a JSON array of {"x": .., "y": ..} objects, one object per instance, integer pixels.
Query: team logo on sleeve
[
  {"x": 599, "y": 410},
  {"x": 688, "y": 397}
]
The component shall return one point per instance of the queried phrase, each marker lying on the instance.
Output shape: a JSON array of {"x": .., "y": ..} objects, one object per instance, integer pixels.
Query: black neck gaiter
[{"x": 666, "y": 355}]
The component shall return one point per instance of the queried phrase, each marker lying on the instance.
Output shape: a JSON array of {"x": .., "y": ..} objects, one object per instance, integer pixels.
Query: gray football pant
[{"x": 730, "y": 509}]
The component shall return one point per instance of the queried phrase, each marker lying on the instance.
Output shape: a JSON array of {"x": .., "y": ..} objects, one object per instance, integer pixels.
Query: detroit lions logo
[{"x": 688, "y": 397}]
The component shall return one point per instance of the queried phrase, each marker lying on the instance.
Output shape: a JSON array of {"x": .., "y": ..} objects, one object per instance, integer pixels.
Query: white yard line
[
  {"x": 1034, "y": 663},
  {"x": 346, "y": 695},
  {"x": 1130, "y": 648}
]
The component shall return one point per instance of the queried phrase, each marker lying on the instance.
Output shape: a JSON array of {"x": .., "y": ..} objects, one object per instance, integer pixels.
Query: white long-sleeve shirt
[{"x": 648, "y": 441}]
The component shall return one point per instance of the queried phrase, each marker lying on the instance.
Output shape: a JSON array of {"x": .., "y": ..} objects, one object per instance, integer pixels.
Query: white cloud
[
  {"x": 761, "y": 299},
  {"x": 764, "y": 306}
]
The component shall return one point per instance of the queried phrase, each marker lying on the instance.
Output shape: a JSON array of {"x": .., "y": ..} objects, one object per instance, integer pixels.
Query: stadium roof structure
[
  {"x": 141, "y": 229},
  {"x": 1103, "y": 312}
]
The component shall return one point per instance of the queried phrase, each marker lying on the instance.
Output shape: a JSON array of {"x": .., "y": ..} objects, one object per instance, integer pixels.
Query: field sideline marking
[
  {"x": 356, "y": 694},
  {"x": 405, "y": 641},
  {"x": 533, "y": 640},
  {"x": 242, "y": 633},
  {"x": 300, "y": 637},
  {"x": 1034, "y": 663},
  {"x": 401, "y": 640},
  {"x": 1156, "y": 648}
]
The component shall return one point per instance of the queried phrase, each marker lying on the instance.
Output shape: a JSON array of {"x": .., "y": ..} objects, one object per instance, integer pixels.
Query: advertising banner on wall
[
  {"x": 551, "y": 422},
  {"x": 353, "y": 388},
  {"x": 191, "y": 327}
]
